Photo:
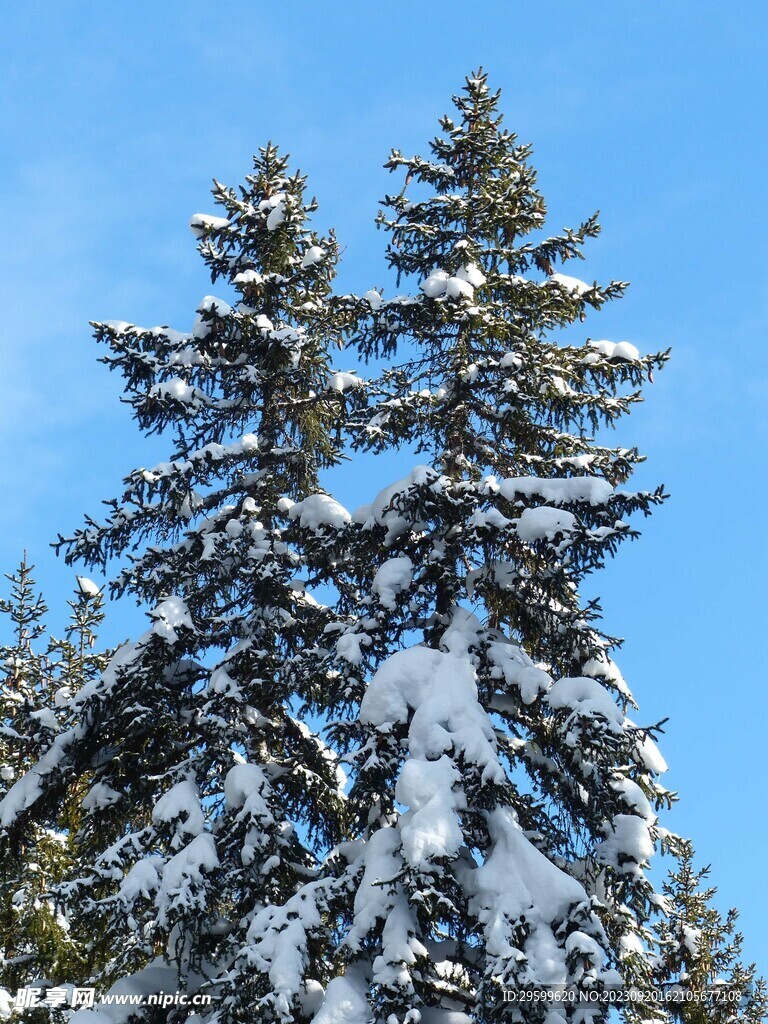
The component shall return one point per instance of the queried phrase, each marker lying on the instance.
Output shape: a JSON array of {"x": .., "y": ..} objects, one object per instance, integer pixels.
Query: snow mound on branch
[
  {"x": 386, "y": 508},
  {"x": 199, "y": 223},
  {"x": 314, "y": 254},
  {"x": 571, "y": 284},
  {"x": 391, "y": 579},
  {"x": 209, "y": 304},
  {"x": 441, "y": 691},
  {"x": 628, "y": 844},
  {"x": 345, "y": 1000},
  {"x": 647, "y": 753},
  {"x": 170, "y": 615},
  {"x": 623, "y": 351},
  {"x": 516, "y": 880},
  {"x": 100, "y": 795},
  {"x": 278, "y": 938},
  {"x": 544, "y": 523},
  {"x": 87, "y": 587},
  {"x": 180, "y": 806},
  {"x": 431, "y": 789},
  {"x": 344, "y": 381},
  {"x": 440, "y": 284},
  {"x": 593, "y": 490},
  {"x": 513, "y": 665},
  {"x": 373, "y": 298},
  {"x": 274, "y": 210},
  {"x": 587, "y": 697},
  {"x": 317, "y": 511}
]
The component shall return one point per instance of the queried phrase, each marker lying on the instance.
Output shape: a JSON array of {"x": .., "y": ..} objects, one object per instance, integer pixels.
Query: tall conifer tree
[
  {"x": 506, "y": 803},
  {"x": 207, "y": 796}
]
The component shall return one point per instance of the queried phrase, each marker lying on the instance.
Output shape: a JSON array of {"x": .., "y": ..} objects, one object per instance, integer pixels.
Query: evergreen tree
[
  {"x": 41, "y": 678},
  {"x": 208, "y": 795},
  {"x": 505, "y": 803},
  {"x": 700, "y": 952}
]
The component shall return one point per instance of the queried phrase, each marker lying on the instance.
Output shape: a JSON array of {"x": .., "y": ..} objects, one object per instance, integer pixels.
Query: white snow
[
  {"x": 435, "y": 285},
  {"x": 100, "y": 795},
  {"x": 571, "y": 284},
  {"x": 592, "y": 490},
  {"x": 472, "y": 274},
  {"x": 516, "y": 880},
  {"x": 170, "y": 615},
  {"x": 373, "y": 298},
  {"x": 180, "y": 806},
  {"x": 621, "y": 350},
  {"x": 461, "y": 285},
  {"x": 202, "y": 222},
  {"x": 628, "y": 844},
  {"x": 278, "y": 938},
  {"x": 143, "y": 879},
  {"x": 345, "y": 1000},
  {"x": 441, "y": 691},
  {"x": 544, "y": 523},
  {"x": 276, "y": 207},
  {"x": 183, "y": 875},
  {"x": 513, "y": 665},
  {"x": 209, "y": 304},
  {"x": 319, "y": 510},
  {"x": 587, "y": 697},
  {"x": 431, "y": 789},
  {"x": 87, "y": 587},
  {"x": 344, "y": 381},
  {"x": 314, "y": 254},
  {"x": 647, "y": 753},
  {"x": 392, "y": 577}
]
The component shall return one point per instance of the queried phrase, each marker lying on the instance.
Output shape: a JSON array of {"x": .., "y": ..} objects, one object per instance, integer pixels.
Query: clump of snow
[
  {"x": 628, "y": 844},
  {"x": 314, "y": 254},
  {"x": 143, "y": 879},
  {"x": 274, "y": 210},
  {"x": 623, "y": 351},
  {"x": 391, "y": 579},
  {"x": 346, "y": 999},
  {"x": 384, "y": 510},
  {"x": 373, "y": 298},
  {"x": 170, "y": 615},
  {"x": 209, "y": 304},
  {"x": 183, "y": 876},
  {"x": 441, "y": 691},
  {"x": 544, "y": 523},
  {"x": 201, "y": 222},
  {"x": 517, "y": 884},
  {"x": 317, "y": 511},
  {"x": 647, "y": 753},
  {"x": 571, "y": 284},
  {"x": 461, "y": 285},
  {"x": 100, "y": 795},
  {"x": 344, "y": 381},
  {"x": 180, "y": 807},
  {"x": 175, "y": 388},
  {"x": 587, "y": 697},
  {"x": 87, "y": 587},
  {"x": 513, "y": 665},
  {"x": 594, "y": 490}
]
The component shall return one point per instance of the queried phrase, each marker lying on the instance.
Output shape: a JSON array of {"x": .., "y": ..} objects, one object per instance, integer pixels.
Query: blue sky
[{"x": 114, "y": 118}]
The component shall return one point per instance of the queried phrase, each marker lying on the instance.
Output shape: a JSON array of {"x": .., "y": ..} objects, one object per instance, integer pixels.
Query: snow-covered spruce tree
[
  {"x": 701, "y": 952},
  {"x": 41, "y": 676},
  {"x": 505, "y": 802},
  {"x": 208, "y": 795}
]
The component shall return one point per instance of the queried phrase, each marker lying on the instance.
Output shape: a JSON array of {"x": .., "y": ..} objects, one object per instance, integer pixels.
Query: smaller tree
[
  {"x": 38, "y": 687},
  {"x": 701, "y": 950}
]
